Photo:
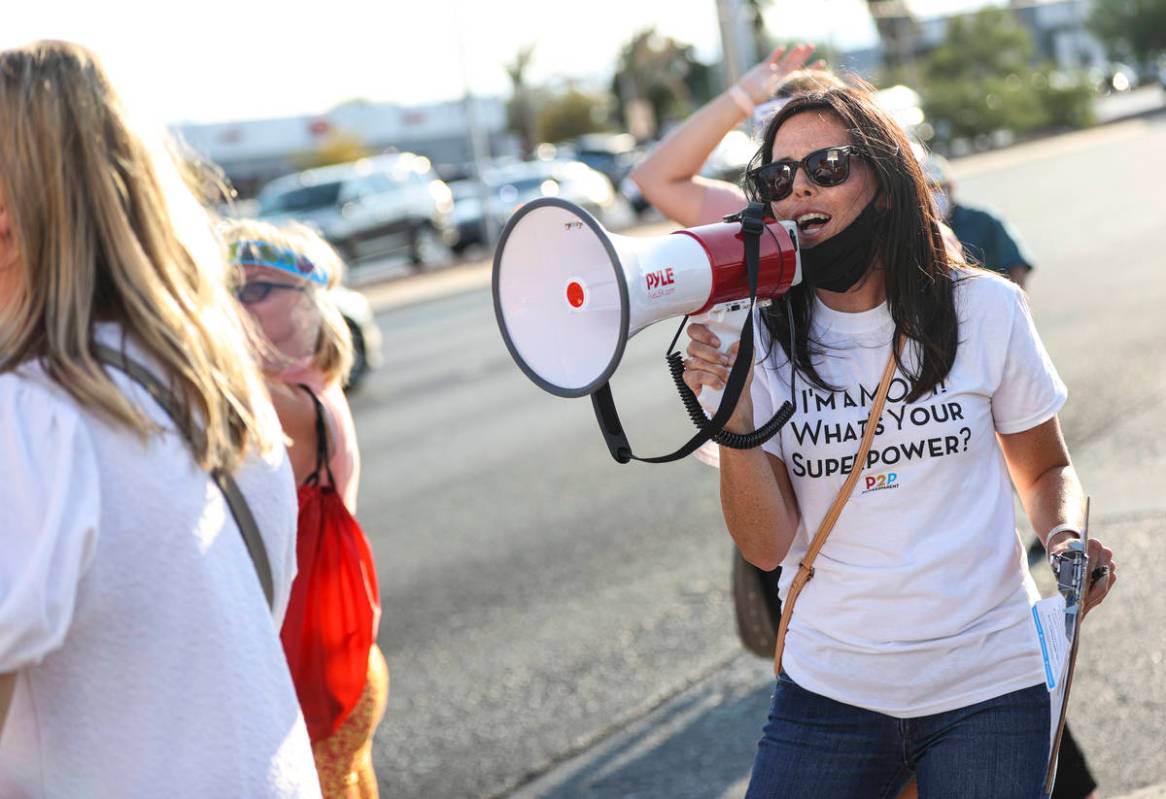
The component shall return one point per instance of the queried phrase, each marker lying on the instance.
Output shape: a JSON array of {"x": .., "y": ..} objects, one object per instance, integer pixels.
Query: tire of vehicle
[
  {"x": 359, "y": 358},
  {"x": 428, "y": 249},
  {"x": 347, "y": 251}
]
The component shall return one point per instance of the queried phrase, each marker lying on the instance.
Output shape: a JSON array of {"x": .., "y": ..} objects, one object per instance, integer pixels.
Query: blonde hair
[
  {"x": 332, "y": 356},
  {"x": 104, "y": 229}
]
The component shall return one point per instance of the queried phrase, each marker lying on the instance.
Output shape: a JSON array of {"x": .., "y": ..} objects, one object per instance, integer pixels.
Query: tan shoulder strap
[
  {"x": 806, "y": 567},
  {"x": 240, "y": 510}
]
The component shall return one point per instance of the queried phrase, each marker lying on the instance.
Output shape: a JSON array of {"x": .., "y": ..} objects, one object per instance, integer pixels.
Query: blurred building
[
  {"x": 1059, "y": 33},
  {"x": 252, "y": 152},
  {"x": 1057, "y": 28}
]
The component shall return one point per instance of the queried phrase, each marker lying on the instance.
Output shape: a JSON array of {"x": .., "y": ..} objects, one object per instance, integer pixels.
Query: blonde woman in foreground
[{"x": 139, "y": 655}]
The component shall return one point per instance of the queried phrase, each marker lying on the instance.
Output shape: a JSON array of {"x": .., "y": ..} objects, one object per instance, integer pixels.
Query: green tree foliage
[
  {"x": 665, "y": 73},
  {"x": 1134, "y": 27},
  {"x": 1067, "y": 99},
  {"x": 983, "y": 45},
  {"x": 981, "y": 80},
  {"x": 571, "y": 114}
]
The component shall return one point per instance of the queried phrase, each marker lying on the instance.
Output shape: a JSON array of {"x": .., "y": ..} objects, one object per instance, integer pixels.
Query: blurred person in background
[
  {"x": 284, "y": 279},
  {"x": 131, "y": 618},
  {"x": 986, "y": 238},
  {"x": 881, "y": 295}
]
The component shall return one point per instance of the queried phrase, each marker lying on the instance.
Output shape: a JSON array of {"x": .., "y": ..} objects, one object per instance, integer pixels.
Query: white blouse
[{"x": 147, "y": 661}]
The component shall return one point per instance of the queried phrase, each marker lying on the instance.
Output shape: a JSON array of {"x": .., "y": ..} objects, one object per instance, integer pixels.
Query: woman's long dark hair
[{"x": 909, "y": 245}]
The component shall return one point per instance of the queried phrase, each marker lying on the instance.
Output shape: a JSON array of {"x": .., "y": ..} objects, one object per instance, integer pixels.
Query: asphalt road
[{"x": 560, "y": 625}]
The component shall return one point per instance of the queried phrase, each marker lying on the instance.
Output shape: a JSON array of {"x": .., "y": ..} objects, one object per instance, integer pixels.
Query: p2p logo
[{"x": 878, "y": 482}]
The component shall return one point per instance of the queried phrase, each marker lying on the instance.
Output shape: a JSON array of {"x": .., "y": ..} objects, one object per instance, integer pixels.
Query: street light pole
[
  {"x": 479, "y": 146},
  {"x": 736, "y": 39}
]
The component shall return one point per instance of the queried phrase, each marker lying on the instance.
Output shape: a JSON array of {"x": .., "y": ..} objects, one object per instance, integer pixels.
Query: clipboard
[{"x": 1051, "y": 773}]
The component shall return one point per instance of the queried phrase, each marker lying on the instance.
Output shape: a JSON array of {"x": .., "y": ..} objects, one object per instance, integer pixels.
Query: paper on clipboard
[{"x": 1048, "y": 617}]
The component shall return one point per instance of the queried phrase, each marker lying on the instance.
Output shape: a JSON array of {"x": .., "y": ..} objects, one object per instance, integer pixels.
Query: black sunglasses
[
  {"x": 257, "y": 290},
  {"x": 827, "y": 167}
]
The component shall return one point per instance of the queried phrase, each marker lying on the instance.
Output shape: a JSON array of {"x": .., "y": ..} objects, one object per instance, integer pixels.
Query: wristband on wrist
[
  {"x": 1058, "y": 530},
  {"x": 743, "y": 100}
]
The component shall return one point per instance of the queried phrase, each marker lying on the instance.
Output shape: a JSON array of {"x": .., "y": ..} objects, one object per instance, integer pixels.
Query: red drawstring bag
[{"x": 334, "y": 608}]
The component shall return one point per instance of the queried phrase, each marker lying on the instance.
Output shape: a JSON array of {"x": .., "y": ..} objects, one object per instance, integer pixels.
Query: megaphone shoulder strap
[
  {"x": 806, "y": 567},
  {"x": 752, "y": 225}
]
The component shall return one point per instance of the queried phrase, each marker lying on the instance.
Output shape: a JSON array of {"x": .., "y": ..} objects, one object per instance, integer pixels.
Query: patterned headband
[{"x": 263, "y": 253}]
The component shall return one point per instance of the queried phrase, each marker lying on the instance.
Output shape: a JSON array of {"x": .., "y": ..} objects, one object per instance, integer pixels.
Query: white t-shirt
[
  {"x": 920, "y": 600},
  {"x": 147, "y": 661}
]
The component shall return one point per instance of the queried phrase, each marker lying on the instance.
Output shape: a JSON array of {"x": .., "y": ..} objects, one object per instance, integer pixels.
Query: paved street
[{"x": 560, "y": 625}]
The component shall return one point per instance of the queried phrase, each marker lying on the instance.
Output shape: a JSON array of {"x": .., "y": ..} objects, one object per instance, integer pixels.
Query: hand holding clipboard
[{"x": 1086, "y": 573}]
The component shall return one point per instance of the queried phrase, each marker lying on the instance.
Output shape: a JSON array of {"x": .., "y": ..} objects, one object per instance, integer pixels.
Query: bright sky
[{"x": 246, "y": 59}]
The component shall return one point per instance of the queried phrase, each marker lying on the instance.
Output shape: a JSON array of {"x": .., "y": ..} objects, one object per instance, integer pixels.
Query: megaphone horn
[{"x": 568, "y": 294}]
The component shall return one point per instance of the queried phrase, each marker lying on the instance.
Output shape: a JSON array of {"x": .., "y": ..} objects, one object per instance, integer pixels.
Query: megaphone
[{"x": 568, "y": 294}]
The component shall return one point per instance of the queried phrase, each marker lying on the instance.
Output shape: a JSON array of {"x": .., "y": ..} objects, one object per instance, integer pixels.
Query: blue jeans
[{"x": 816, "y": 747}]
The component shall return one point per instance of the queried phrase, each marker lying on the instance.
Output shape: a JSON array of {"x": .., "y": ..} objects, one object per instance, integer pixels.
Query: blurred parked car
[
  {"x": 366, "y": 335},
  {"x": 511, "y": 185},
  {"x": 1116, "y": 77},
  {"x": 730, "y": 157},
  {"x": 613, "y": 154},
  {"x": 382, "y": 206},
  {"x": 727, "y": 161}
]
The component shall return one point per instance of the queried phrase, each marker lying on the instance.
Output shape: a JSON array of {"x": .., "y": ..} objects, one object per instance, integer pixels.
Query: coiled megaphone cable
[
  {"x": 603, "y": 402},
  {"x": 724, "y": 437},
  {"x": 696, "y": 412}
]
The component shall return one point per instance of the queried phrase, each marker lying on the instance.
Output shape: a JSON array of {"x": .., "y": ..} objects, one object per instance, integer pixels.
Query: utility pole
[
  {"x": 479, "y": 146},
  {"x": 736, "y": 39}
]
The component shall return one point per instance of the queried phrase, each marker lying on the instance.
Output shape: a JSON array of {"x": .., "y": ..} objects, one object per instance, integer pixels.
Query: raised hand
[{"x": 762, "y": 80}]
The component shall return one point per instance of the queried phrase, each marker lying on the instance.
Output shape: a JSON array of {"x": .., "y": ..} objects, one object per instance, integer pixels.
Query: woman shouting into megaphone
[{"x": 923, "y": 395}]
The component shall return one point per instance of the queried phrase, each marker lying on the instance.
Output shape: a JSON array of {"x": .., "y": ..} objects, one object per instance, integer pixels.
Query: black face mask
[{"x": 841, "y": 260}]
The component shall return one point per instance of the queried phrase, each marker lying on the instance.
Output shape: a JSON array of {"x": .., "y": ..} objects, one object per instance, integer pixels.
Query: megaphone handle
[
  {"x": 726, "y": 326},
  {"x": 603, "y": 402}
]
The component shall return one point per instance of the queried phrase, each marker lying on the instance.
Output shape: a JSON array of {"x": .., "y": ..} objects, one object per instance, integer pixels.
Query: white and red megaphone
[{"x": 568, "y": 294}]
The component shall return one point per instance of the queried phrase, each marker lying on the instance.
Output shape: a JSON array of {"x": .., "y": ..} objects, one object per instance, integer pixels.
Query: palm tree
[
  {"x": 659, "y": 71},
  {"x": 521, "y": 112}
]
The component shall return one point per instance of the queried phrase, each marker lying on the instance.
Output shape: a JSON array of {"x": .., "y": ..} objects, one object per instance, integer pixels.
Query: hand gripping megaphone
[{"x": 568, "y": 295}]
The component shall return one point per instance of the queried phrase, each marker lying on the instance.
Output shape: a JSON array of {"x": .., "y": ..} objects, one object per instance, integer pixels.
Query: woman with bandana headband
[
  {"x": 911, "y": 651},
  {"x": 282, "y": 281}
]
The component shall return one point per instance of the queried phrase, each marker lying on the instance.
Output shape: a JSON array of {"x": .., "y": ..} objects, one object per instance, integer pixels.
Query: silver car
[
  {"x": 366, "y": 334},
  {"x": 386, "y": 206}
]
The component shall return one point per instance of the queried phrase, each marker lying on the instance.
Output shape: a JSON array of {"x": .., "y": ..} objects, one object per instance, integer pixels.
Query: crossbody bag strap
[
  {"x": 806, "y": 567},
  {"x": 240, "y": 510}
]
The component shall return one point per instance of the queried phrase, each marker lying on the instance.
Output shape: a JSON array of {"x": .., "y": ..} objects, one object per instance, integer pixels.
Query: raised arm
[{"x": 669, "y": 178}]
